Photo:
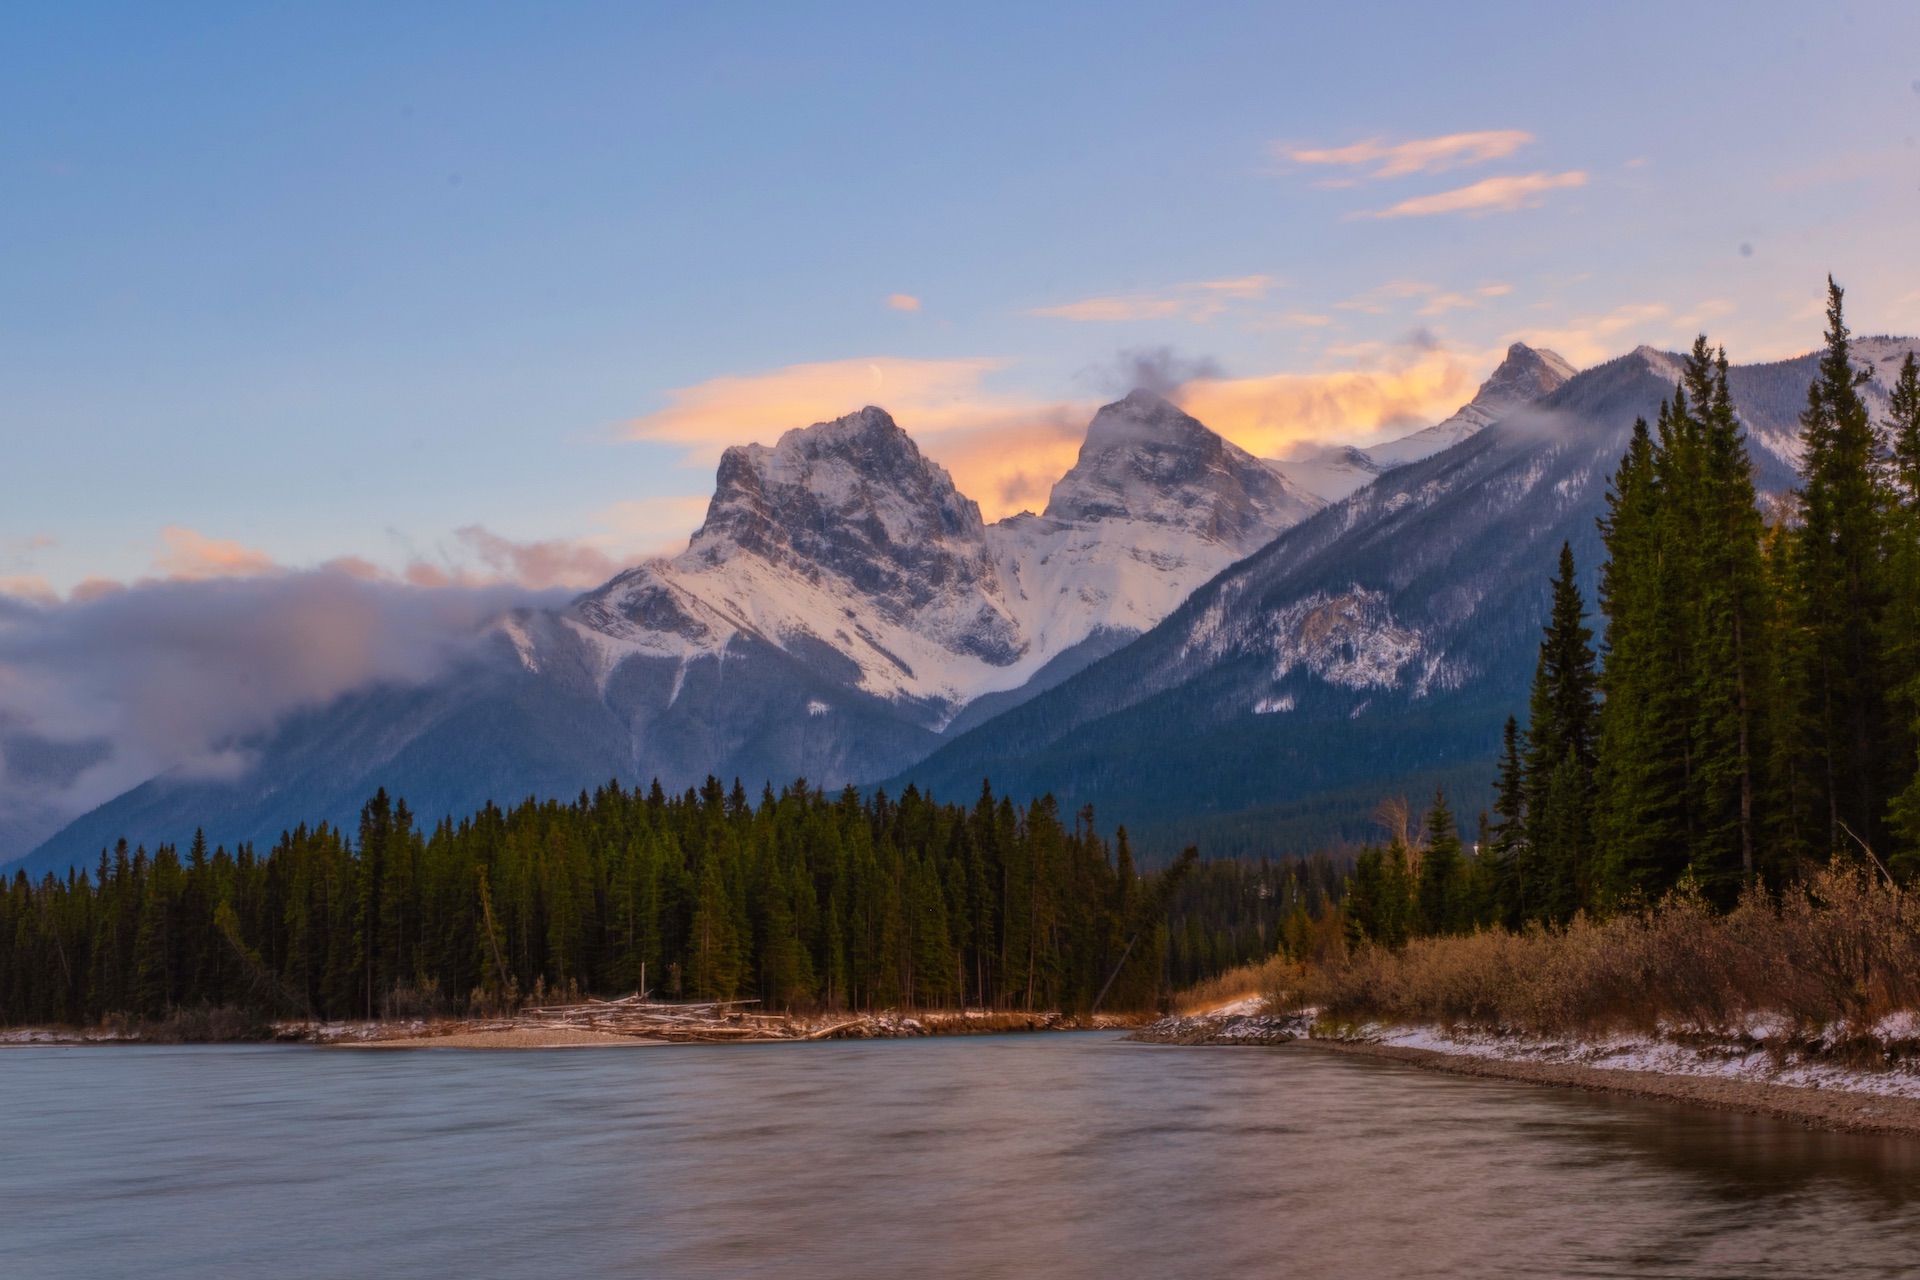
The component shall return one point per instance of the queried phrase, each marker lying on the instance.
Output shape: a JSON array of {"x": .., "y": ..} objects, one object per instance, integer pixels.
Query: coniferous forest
[
  {"x": 1751, "y": 709},
  {"x": 801, "y": 900}
]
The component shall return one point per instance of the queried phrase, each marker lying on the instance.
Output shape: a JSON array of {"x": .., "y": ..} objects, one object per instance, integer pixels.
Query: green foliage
[
  {"x": 1562, "y": 739},
  {"x": 1759, "y": 701},
  {"x": 804, "y": 899},
  {"x": 1232, "y": 912}
]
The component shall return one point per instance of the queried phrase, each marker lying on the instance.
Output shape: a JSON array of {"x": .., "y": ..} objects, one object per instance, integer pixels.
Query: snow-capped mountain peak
[
  {"x": 1528, "y": 374},
  {"x": 1144, "y": 459}
]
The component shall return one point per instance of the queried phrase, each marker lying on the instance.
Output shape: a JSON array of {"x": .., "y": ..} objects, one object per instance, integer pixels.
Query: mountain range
[{"x": 1198, "y": 641}]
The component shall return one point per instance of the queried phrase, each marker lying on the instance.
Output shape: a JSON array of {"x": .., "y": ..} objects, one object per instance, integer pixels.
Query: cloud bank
[{"x": 99, "y": 694}]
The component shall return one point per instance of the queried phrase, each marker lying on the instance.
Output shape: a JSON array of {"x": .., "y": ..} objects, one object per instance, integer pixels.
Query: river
[{"x": 1058, "y": 1154}]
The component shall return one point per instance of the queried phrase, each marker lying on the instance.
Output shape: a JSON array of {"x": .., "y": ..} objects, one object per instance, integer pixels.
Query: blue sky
[{"x": 290, "y": 284}]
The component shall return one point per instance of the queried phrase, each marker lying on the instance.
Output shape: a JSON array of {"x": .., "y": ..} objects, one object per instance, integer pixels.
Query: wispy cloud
[
  {"x": 1384, "y": 159},
  {"x": 903, "y": 302},
  {"x": 1433, "y": 299},
  {"x": 1489, "y": 195},
  {"x": 1195, "y": 301},
  {"x": 194, "y": 557},
  {"x": 1588, "y": 339}
]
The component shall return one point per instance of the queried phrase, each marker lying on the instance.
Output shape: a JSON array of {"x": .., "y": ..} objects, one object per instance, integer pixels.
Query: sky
[
  {"x": 327, "y": 331},
  {"x": 473, "y": 292}
]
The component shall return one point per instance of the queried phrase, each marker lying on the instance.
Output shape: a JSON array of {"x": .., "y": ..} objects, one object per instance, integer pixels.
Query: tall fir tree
[
  {"x": 1441, "y": 901},
  {"x": 1726, "y": 593},
  {"x": 1640, "y": 782},
  {"x": 1902, "y": 626},
  {"x": 1505, "y": 836},
  {"x": 1840, "y": 591},
  {"x": 1561, "y": 740}
]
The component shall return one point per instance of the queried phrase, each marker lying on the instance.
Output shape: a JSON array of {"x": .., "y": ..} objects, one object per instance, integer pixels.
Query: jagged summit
[
  {"x": 1144, "y": 459},
  {"x": 854, "y": 496},
  {"x": 1526, "y": 375}
]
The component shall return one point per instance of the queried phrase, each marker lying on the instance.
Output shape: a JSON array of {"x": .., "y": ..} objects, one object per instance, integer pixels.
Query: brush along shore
[
  {"x": 629, "y": 1022},
  {"x": 1804, "y": 1005}
]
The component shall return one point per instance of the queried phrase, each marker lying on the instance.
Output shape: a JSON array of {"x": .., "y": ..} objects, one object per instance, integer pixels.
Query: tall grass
[{"x": 1839, "y": 950}]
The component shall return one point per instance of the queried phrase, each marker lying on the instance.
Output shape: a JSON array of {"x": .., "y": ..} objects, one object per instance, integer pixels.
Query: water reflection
[{"x": 1053, "y": 1155}]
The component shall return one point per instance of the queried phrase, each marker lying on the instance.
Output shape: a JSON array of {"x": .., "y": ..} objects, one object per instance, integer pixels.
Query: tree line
[
  {"x": 1752, "y": 710},
  {"x": 801, "y": 900}
]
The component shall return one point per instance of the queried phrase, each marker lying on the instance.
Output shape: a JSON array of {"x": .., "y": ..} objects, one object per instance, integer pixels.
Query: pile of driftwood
[{"x": 716, "y": 1020}]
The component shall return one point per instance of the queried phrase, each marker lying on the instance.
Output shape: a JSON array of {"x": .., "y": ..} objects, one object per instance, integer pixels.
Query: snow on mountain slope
[
  {"x": 843, "y": 539},
  {"x": 1155, "y": 505}
]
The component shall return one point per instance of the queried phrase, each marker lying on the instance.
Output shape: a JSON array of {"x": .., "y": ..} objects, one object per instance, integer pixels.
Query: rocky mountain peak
[
  {"x": 854, "y": 497},
  {"x": 1144, "y": 459},
  {"x": 1527, "y": 374}
]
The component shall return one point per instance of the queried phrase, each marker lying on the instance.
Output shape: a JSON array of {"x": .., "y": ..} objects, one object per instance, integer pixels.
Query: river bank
[
  {"x": 599, "y": 1023},
  {"x": 1862, "y": 1084}
]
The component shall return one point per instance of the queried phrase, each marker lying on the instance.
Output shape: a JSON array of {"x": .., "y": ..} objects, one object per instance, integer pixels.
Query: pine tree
[
  {"x": 1640, "y": 820},
  {"x": 1842, "y": 598},
  {"x": 1561, "y": 740},
  {"x": 1902, "y": 626},
  {"x": 1507, "y": 835},
  {"x": 1727, "y": 594},
  {"x": 1441, "y": 898}
]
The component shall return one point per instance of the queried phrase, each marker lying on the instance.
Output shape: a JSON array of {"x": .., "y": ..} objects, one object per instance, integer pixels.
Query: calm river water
[{"x": 1069, "y": 1155}]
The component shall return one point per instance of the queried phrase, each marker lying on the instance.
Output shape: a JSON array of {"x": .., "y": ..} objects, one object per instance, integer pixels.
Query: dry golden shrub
[{"x": 1840, "y": 949}]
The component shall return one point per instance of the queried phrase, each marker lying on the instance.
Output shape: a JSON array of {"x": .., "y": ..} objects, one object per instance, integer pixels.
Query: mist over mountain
[
  {"x": 1186, "y": 636},
  {"x": 1374, "y": 648},
  {"x": 839, "y": 609}
]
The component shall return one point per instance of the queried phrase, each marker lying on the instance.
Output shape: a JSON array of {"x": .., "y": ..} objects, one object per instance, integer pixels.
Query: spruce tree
[
  {"x": 1506, "y": 835},
  {"x": 1842, "y": 599},
  {"x": 1902, "y": 625},
  {"x": 1727, "y": 595},
  {"x": 1441, "y": 898},
  {"x": 1640, "y": 782},
  {"x": 1561, "y": 740}
]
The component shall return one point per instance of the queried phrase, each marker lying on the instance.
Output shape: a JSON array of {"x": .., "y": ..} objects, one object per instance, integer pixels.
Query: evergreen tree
[
  {"x": 1727, "y": 594},
  {"x": 1506, "y": 836},
  {"x": 1902, "y": 626},
  {"x": 1841, "y": 597},
  {"x": 1561, "y": 741},
  {"x": 1441, "y": 898},
  {"x": 1640, "y": 783}
]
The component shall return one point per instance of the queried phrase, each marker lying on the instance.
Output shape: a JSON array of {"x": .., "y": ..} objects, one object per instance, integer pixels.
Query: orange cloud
[
  {"x": 1418, "y": 155},
  {"x": 1489, "y": 195},
  {"x": 1003, "y": 450},
  {"x": 30, "y": 587},
  {"x": 903, "y": 302},
  {"x": 192, "y": 556},
  {"x": 1268, "y": 416},
  {"x": 1196, "y": 301}
]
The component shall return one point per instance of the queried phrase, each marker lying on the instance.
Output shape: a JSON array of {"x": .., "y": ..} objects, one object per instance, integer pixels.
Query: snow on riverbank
[{"x": 1884, "y": 1061}]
